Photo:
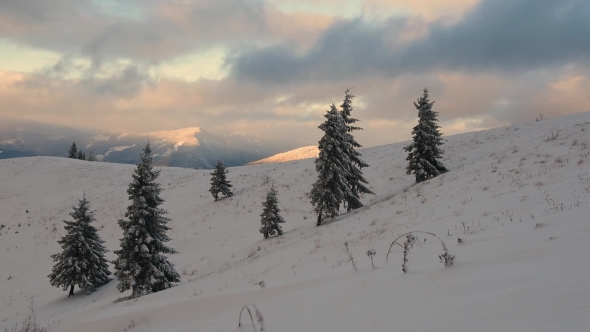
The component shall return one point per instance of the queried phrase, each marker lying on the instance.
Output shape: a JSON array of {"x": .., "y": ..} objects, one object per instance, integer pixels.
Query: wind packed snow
[{"x": 517, "y": 197}]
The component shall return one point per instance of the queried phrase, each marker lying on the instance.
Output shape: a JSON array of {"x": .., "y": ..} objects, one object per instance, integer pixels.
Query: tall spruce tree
[
  {"x": 331, "y": 187},
  {"x": 219, "y": 183},
  {"x": 141, "y": 264},
  {"x": 424, "y": 152},
  {"x": 82, "y": 260},
  {"x": 355, "y": 177},
  {"x": 270, "y": 217},
  {"x": 73, "y": 151}
]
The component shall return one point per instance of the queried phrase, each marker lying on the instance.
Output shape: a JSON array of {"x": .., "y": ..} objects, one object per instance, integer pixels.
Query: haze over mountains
[{"x": 188, "y": 147}]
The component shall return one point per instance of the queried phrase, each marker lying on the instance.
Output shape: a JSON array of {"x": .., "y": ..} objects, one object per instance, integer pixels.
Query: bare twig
[
  {"x": 259, "y": 317},
  {"x": 350, "y": 256},
  {"x": 445, "y": 258},
  {"x": 371, "y": 253}
]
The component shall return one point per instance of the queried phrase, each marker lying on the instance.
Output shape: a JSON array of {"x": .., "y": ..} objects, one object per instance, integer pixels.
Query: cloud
[
  {"x": 152, "y": 30},
  {"x": 505, "y": 35},
  {"x": 130, "y": 66},
  {"x": 449, "y": 10}
]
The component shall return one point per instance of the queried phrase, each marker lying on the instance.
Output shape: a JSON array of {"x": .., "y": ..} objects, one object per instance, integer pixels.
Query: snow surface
[
  {"x": 97, "y": 138},
  {"x": 519, "y": 202},
  {"x": 9, "y": 141},
  {"x": 114, "y": 149},
  {"x": 305, "y": 152},
  {"x": 180, "y": 137}
]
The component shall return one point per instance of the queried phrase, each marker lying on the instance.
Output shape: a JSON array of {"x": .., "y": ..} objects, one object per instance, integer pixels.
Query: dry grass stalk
[
  {"x": 350, "y": 256},
  {"x": 259, "y": 317},
  {"x": 371, "y": 253},
  {"x": 445, "y": 258}
]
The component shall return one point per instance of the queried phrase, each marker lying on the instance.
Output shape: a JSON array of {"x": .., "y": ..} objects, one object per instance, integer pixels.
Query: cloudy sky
[{"x": 273, "y": 67}]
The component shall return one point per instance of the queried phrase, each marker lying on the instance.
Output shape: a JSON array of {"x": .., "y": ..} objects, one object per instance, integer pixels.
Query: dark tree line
[{"x": 74, "y": 153}]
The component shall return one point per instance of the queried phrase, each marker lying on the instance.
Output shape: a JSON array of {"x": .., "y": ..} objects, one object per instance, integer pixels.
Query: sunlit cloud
[{"x": 274, "y": 67}]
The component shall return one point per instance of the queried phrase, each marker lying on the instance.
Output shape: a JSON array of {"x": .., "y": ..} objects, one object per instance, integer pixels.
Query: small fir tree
[
  {"x": 82, "y": 260},
  {"x": 141, "y": 264},
  {"x": 81, "y": 155},
  {"x": 331, "y": 186},
  {"x": 355, "y": 178},
  {"x": 73, "y": 151},
  {"x": 424, "y": 152},
  {"x": 219, "y": 183},
  {"x": 270, "y": 217}
]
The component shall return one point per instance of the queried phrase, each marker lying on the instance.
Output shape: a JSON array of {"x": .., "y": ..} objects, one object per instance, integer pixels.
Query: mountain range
[{"x": 189, "y": 147}]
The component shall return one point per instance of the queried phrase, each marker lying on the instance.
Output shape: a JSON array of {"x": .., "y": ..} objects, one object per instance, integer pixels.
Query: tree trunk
[
  {"x": 319, "y": 219},
  {"x": 71, "y": 290}
]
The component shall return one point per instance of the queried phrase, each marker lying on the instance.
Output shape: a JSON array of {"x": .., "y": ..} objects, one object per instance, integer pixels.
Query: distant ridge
[{"x": 305, "y": 152}]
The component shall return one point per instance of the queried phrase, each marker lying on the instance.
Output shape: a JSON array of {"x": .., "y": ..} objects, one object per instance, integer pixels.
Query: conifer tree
[
  {"x": 141, "y": 264},
  {"x": 82, "y": 260},
  {"x": 270, "y": 217},
  {"x": 219, "y": 183},
  {"x": 331, "y": 187},
  {"x": 81, "y": 155},
  {"x": 355, "y": 178},
  {"x": 424, "y": 152},
  {"x": 73, "y": 151}
]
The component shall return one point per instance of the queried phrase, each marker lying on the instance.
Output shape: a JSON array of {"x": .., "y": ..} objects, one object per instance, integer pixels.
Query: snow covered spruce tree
[
  {"x": 141, "y": 264},
  {"x": 82, "y": 260},
  {"x": 355, "y": 178},
  {"x": 424, "y": 152},
  {"x": 331, "y": 187},
  {"x": 270, "y": 218},
  {"x": 219, "y": 183},
  {"x": 73, "y": 151},
  {"x": 81, "y": 155}
]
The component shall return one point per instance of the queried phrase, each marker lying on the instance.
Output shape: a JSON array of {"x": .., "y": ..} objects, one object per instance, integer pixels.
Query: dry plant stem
[
  {"x": 259, "y": 317},
  {"x": 444, "y": 246},
  {"x": 371, "y": 253},
  {"x": 446, "y": 258},
  {"x": 350, "y": 255}
]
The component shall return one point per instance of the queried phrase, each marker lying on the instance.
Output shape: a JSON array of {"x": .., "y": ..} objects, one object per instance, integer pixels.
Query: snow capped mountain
[
  {"x": 188, "y": 147},
  {"x": 513, "y": 209},
  {"x": 305, "y": 152}
]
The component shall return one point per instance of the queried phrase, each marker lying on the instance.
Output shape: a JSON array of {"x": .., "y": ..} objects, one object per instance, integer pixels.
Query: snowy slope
[
  {"x": 519, "y": 202},
  {"x": 305, "y": 152}
]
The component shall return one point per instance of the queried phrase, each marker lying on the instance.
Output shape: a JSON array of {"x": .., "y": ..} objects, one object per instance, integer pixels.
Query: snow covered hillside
[
  {"x": 517, "y": 197},
  {"x": 305, "y": 152}
]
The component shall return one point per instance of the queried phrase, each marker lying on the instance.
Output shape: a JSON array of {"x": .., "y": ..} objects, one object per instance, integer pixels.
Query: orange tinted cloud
[{"x": 428, "y": 9}]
